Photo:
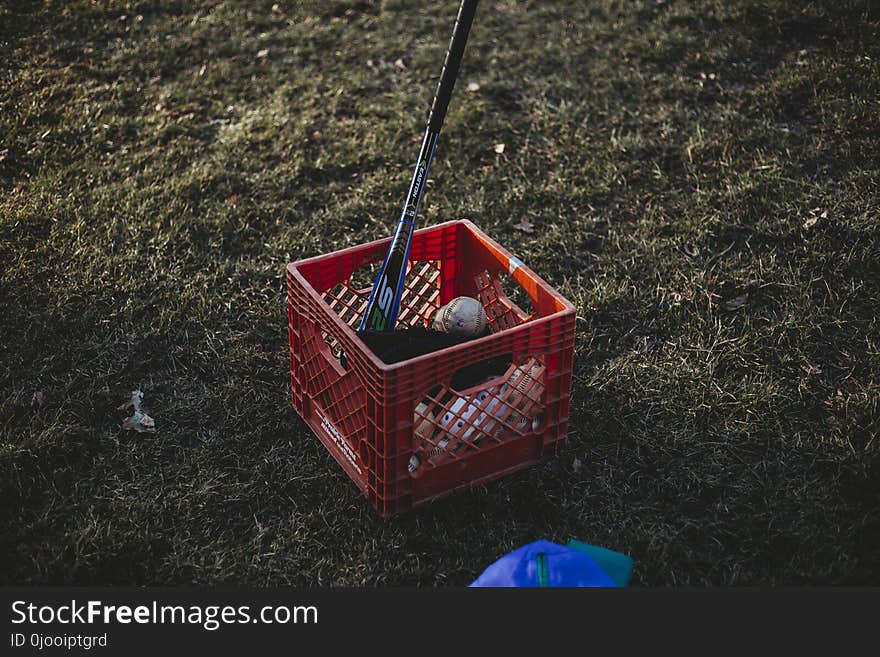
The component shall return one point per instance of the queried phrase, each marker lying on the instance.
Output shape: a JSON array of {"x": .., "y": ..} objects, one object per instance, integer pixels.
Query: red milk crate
[{"x": 408, "y": 433}]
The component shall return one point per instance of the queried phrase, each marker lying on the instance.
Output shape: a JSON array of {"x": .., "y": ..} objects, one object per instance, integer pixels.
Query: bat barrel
[{"x": 453, "y": 60}]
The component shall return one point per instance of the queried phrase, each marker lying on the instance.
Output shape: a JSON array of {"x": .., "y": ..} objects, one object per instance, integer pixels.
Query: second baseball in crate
[{"x": 494, "y": 401}]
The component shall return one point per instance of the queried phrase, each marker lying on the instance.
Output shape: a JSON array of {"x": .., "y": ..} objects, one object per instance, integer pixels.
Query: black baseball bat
[{"x": 384, "y": 304}]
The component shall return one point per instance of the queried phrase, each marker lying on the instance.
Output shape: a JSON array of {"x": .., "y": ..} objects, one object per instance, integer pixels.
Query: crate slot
[
  {"x": 447, "y": 421},
  {"x": 502, "y": 312}
]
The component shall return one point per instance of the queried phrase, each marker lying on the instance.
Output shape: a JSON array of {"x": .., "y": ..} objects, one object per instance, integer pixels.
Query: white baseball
[
  {"x": 423, "y": 427},
  {"x": 524, "y": 394},
  {"x": 463, "y": 316},
  {"x": 476, "y": 411},
  {"x": 454, "y": 419},
  {"x": 526, "y": 383},
  {"x": 422, "y": 424},
  {"x": 488, "y": 420}
]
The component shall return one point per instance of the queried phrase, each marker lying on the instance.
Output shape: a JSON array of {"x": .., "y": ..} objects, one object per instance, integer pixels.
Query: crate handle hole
[
  {"x": 331, "y": 349},
  {"x": 477, "y": 373}
]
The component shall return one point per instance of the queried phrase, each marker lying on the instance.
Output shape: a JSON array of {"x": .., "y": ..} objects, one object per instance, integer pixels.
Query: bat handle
[{"x": 450, "y": 66}]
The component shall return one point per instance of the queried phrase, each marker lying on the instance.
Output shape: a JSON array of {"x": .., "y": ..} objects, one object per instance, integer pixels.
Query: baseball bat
[{"x": 384, "y": 303}]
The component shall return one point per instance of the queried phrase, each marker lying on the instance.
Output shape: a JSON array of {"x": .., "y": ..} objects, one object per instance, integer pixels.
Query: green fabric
[
  {"x": 616, "y": 565},
  {"x": 543, "y": 574}
]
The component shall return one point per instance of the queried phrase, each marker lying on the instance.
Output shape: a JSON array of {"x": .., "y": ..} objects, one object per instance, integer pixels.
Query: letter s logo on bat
[{"x": 386, "y": 297}]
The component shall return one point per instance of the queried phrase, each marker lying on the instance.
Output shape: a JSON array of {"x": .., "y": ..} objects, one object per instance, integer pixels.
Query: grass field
[{"x": 701, "y": 180}]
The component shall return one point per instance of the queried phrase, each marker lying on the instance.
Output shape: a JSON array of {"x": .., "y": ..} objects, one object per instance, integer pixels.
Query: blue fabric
[{"x": 564, "y": 567}]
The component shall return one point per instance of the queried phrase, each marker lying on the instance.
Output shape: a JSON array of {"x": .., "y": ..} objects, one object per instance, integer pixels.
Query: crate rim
[{"x": 293, "y": 269}]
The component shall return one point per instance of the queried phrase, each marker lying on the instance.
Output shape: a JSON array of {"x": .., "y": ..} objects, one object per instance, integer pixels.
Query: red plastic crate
[{"x": 401, "y": 431}]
